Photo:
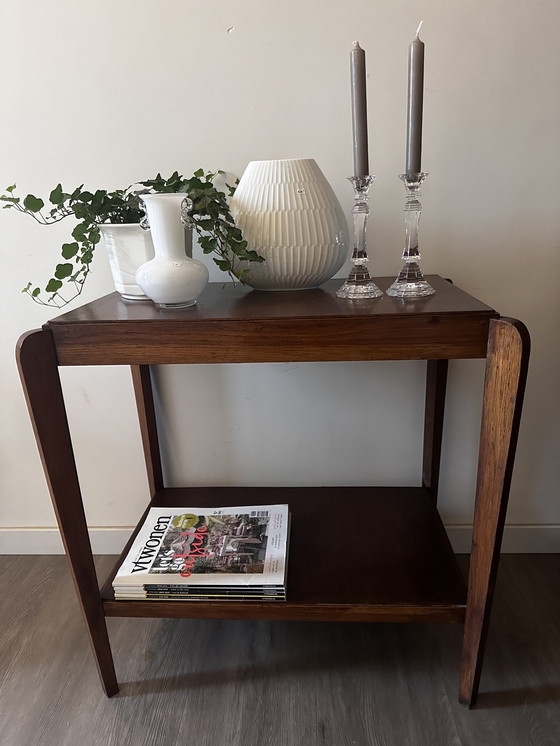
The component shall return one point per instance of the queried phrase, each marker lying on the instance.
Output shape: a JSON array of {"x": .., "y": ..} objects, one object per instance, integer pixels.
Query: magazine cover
[{"x": 235, "y": 546}]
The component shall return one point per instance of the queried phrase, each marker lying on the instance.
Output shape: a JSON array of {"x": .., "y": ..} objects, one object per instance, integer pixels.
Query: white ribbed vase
[
  {"x": 128, "y": 247},
  {"x": 290, "y": 215}
]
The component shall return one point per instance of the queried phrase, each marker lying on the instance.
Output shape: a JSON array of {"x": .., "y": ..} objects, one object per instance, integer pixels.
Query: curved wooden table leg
[
  {"x": 37, "y": 363},
  {"x": 506, "y": 373}
]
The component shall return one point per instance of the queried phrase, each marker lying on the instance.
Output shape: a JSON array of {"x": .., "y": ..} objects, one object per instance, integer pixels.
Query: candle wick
[
  {"x": 418, "y": 29},
  {"x": 356, "y": 45}
]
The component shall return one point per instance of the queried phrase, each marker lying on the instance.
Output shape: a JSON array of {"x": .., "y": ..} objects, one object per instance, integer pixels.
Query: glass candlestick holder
[
  {"x": 359, "y": 283},
  {"x": 410, "y": 282}
]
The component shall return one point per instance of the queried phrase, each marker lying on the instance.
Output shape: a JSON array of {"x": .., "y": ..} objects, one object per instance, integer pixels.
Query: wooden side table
[{"x": 399, "y": 566}]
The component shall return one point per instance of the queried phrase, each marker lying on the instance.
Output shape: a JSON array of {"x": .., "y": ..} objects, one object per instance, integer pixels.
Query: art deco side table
[{"x": 402, "y": 566}]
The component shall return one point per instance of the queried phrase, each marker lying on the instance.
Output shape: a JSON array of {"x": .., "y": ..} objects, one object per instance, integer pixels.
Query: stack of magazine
[{"x": 204, "y": 554}]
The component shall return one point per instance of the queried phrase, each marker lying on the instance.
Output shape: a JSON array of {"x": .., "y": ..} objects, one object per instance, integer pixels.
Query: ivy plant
[{"x": 209, "y": 215}]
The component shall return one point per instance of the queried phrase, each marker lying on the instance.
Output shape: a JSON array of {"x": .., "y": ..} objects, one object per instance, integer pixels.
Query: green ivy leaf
[
  {"x": 80, "y": 231},
  {"x": 33, "y": 204},
  {"x": 62, "y": 271},
  {"x": 80, "y": 210},
  {"x": 252, "y": 256},
  {"x": 223, "y": 264},
  {"x": 57, "y": 195},
  {"x": 53, "y": 285},
  {"x": 206, "y": 225},
  {"x": 208, "y": 244},
  {"x": 69, "y": 250}
]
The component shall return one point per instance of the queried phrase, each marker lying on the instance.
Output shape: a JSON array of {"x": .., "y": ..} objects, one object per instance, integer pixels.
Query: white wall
[{"x": 107, "y": 93}]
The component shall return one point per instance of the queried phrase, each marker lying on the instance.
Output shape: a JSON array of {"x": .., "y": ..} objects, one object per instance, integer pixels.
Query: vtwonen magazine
[{"x": 228, "y": 553}]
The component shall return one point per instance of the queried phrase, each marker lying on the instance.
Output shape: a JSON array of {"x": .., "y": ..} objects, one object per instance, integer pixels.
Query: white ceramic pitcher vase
[{"x": 171, "y": 279}]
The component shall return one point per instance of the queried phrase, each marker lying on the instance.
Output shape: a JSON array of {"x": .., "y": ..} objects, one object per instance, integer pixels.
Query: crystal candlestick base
[
  {"x": 359, "y": 284},
  {"x": 410, "y": 282}
]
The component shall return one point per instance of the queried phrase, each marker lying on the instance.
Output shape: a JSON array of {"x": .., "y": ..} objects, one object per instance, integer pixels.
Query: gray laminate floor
[{"x": 275, "y": 684}]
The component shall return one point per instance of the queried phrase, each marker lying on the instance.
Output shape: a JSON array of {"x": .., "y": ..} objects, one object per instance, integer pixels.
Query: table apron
[{"x": 273, "y": 340}]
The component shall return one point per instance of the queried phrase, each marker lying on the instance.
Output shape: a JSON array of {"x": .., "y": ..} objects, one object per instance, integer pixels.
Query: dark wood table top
[{"x": 221, "y": 301}]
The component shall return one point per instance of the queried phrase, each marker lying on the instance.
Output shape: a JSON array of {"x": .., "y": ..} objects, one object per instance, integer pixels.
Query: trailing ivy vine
[{"x": 209, "y": 216}]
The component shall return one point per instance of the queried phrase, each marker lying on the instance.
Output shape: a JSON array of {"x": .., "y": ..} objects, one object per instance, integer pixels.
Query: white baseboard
[
  {"x": 518, "y": 539},
  {"x": 541, "y": 539},
  {"x": 48, "y": 541}
]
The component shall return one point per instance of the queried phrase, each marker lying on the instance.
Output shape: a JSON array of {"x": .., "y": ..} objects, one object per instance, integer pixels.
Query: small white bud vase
[
  {"x": 290, "y": 215},
  {"x": 128, "y": 247},
  {"x": 171, "y": 279}
]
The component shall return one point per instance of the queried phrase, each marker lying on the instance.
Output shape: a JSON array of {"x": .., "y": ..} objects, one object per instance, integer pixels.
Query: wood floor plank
[{"x": 259, "y": 683}]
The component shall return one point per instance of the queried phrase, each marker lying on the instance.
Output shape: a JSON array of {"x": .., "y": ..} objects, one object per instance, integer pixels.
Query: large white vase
[
  {"x": 128, "y": 246},
  {"x": 289, "y": 214},
  {"x": 171, "y": 279}
]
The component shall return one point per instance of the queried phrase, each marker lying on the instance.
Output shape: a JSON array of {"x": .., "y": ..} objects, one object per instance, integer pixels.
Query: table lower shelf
[{"x": 356, "y": 554}]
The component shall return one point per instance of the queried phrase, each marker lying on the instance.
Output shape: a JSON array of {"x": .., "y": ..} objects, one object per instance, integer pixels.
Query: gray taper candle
[
  {"x": 359, "y": 110},
  {"x": 415, "y": 106}
]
